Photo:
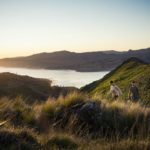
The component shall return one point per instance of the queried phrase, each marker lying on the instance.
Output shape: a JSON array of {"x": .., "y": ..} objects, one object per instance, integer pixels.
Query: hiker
[
  {"x": 134, "y": 92},
  {"x": 115, "y": 90}
]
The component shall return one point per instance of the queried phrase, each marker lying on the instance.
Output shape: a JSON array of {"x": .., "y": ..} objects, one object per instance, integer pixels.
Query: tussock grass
[
  {"x": 21, "y": 138},
  {"x": 124, "y": 144},
  {"x": 117, "y": 118},
  {"x": 16, "y": 110},
  {"x": 52, "y": 107},
  {"x": 119, "y": 124},
  {"x": 72, "y": 99}
]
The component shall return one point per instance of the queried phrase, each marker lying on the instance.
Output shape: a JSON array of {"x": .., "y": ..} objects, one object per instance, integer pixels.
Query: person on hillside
[
  {"x": 134, "y": 92},
  {"x": 115, "y": 90}
]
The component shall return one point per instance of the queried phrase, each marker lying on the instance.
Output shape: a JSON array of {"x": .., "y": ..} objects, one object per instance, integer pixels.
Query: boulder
[{"x": 90, "y": 113}]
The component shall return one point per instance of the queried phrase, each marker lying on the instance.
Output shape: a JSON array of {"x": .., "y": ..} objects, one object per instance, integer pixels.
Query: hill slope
[
  {"x": 132, "y": 69},
  {"x": 31, "y": 89},
  {"x": 89, "y": 61}
]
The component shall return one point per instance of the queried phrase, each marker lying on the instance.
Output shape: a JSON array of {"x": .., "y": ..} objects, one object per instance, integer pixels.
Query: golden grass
[{"x": 128, "y": 117}]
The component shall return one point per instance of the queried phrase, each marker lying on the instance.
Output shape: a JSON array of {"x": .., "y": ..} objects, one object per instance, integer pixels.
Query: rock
[
  {"x": 90, "y": 114},
  {"x": 82, "y": 117}
]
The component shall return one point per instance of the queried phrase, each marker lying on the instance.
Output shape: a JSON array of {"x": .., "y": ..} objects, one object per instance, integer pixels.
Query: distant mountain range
[{"x": 87, "y": 61}]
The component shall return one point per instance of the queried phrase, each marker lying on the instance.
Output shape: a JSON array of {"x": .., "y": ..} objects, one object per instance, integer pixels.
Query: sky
[{"x": 33, "y": 26}]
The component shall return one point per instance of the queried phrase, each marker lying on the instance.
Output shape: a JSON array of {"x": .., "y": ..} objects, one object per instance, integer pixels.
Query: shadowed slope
[{"x": 29, "y": 88}]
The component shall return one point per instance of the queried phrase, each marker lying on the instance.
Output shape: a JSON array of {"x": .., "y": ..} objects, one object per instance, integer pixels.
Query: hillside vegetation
[
  {"x": 88, "y": 61},
  {"x": 132, "y": 69},
  {"x": 73, "y": 122}
]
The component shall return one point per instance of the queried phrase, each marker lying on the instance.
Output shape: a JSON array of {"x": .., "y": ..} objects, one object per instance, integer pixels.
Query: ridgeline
[
  {"x": 132, "y": 69},
  {"x": 88, "y": 61}
]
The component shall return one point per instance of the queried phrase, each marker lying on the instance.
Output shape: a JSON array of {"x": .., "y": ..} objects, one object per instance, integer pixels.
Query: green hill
[{"x": 132, "y": 69}]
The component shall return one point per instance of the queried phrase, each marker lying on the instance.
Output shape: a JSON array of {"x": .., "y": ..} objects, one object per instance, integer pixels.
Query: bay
[{"x": 59, "y": 77}]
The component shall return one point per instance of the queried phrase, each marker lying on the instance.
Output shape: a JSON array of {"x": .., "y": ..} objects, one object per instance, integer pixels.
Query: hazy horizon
[
  {"x": 35, "y": 26},
  {"x": 70, "y": 51}
]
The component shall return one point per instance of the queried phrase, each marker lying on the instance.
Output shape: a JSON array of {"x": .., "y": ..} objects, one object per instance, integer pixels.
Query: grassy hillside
[
  {"x": 31, "y": 89},
  {"x": 132, "y": 69},
  {"x": 76, "y": 121}
]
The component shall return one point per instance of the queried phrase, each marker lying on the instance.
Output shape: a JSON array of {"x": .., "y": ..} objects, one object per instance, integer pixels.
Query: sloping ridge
[
  {"x": 131, "y": 69},
  {"x": 13, "y": 85},
  {"x": 31, "y": 89}
]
